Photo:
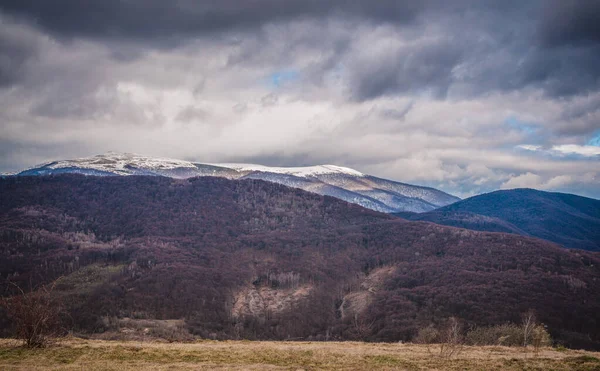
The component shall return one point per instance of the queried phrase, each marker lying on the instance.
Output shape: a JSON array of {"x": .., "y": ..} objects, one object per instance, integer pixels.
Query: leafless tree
[
  {"x": 35, "y": 316},
  {"x": 451, "y": 339},
  {"x": 528, "y": 324}
]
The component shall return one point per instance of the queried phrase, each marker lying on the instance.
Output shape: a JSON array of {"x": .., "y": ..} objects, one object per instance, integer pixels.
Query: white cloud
[
  {"x": 550, "y": 183},
  {"x": 564, "y": 149},
  {"x": 577, "y": 149},
  {"x": 527, "y": 180}
]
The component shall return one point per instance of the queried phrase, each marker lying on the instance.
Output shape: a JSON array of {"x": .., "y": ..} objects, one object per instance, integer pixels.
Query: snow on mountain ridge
[
  {"x": 119, "y": 163},
  {"x": 302, "y": 171},
  {"x": 329, "y": 180}
]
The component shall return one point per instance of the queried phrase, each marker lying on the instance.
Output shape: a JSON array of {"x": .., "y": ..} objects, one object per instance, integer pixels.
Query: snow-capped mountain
[
  {"x": 306, "y": 171},
  {"x": 330, "y": 180}
]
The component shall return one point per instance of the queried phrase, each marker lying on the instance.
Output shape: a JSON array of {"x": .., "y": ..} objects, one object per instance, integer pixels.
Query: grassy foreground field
[{"x": 78, "y": 354}]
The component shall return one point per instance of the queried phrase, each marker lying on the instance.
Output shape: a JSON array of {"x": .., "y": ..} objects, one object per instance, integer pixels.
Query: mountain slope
[
  {"x": 570, "y": 220},
  {"x": 257, "y": 260},
  {"x": 340, "y": 182}
]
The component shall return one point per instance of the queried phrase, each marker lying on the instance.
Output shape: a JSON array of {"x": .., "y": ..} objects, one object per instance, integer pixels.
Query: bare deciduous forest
[{"x": 254, "y": 260}]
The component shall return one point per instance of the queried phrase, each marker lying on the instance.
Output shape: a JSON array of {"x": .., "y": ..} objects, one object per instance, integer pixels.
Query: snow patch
[
  {"x": 120, "y": 163},
  {"x": 305, "y": 171}
]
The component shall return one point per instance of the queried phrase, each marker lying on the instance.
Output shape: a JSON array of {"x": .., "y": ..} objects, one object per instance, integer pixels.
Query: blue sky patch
[
  {"x": 595, "y": 141},
  {"x": 283, "y": 77},
  {"x": 526, "y": 127}
]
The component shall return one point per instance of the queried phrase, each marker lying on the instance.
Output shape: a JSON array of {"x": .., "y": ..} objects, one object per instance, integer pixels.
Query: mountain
[
  {"x": 340, "y": 182},
  {"x": 257, "y": 260},
  {"x": 570, "y": 220}
]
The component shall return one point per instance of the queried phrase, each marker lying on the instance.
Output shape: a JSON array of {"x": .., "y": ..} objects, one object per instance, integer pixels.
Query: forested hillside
[{"x": 251, "y": 259}]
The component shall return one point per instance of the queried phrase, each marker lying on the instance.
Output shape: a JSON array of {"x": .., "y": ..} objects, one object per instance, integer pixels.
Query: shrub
[
  {"x": 452, "y": 340},
  {"x": 508, "y": 335},
  {"x": 540, "y": 337},
  {"x": 427, "y": 335},
  {"x": 35, "y": 317},
  {"x": 449, "y": 337}
]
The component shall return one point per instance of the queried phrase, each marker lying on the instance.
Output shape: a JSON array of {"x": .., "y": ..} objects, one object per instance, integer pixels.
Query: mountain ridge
[
  {"x": 569, "y": 220},
  {"x": 341, "y": 182}
]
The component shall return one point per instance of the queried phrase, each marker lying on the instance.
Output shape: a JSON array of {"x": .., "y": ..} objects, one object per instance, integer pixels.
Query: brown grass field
[{"x": 79, "y": 354}]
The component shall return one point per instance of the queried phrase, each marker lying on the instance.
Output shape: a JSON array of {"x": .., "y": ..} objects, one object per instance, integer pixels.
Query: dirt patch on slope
[{"x": 263, "y": 301}]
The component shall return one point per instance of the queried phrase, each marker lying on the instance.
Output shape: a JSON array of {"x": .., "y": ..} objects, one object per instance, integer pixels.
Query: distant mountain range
[
  {"x": 570, "y": 220},
  {"x": 566, "y": 219},
  {"x": 340, "y": 182}
]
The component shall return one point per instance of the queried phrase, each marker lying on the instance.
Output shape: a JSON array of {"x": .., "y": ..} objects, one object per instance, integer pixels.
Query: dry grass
[{"x": 78, "y": 354}]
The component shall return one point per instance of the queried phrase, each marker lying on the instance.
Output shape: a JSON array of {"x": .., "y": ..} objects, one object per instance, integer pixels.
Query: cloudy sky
[{"x": 466, "y": 96}]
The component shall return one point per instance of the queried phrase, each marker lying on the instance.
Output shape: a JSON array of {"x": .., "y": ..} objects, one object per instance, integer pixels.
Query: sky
[{"x": 465, "y": 96}]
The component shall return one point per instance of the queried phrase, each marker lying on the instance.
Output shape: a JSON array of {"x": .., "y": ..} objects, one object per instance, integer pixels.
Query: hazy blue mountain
[{"x": 570, "y": 220}]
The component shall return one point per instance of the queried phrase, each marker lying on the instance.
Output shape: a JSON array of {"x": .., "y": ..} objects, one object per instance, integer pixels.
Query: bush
[
  {"x": 449, "y": 337},
  {"x": 452, "y": 340},
  {"x": 427, "y": 335},
  {"x": 508, "y": 335},
  {"x": 35, "y": 317},
  {"x": 540, "y": 337}
]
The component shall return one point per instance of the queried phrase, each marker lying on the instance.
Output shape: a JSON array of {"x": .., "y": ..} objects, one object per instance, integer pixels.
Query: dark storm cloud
[
  {"x": 580, "y": 118},
  {"x": 549, "y": 45},
  {"x": 16, "y": 48},
  {"x": 571, "y": 22},
  {"x": 159, "y": 19},
  {"x": 423, "y": 68},
  {"x": 565, "y": 71},
  {"x": 565, "y": 55}
]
